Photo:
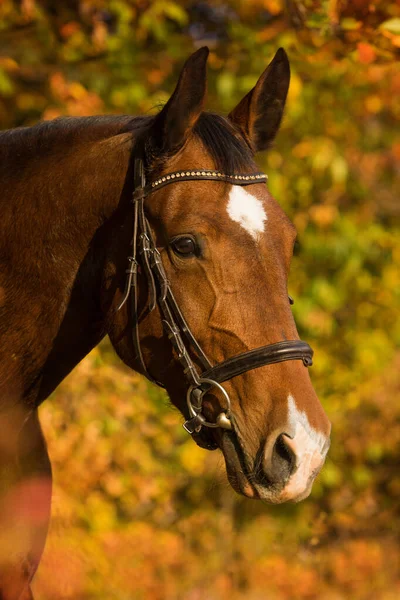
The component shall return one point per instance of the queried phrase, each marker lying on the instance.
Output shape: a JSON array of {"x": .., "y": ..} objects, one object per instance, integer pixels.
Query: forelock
[{"x": 224, "y": 143}]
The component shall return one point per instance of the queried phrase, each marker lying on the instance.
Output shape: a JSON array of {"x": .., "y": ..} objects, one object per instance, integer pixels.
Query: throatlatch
[{"x": 175, "y": 326}]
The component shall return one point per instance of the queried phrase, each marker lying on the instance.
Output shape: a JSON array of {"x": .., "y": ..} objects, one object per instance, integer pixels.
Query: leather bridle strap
[
  {"x": 131, "y": 287},
  {"x": 175, "y": 326},
  {"x": 266, "y": 355}
]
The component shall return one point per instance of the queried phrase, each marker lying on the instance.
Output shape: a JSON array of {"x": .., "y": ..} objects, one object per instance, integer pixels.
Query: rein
[{"x": 174, "y": 323}]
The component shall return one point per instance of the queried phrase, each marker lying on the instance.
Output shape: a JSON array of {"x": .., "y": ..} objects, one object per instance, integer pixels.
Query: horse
[{"x": 158, "y": 231}]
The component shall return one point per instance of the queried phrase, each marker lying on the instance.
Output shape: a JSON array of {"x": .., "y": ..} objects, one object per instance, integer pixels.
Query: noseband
[{"x": 174, "y": 323}]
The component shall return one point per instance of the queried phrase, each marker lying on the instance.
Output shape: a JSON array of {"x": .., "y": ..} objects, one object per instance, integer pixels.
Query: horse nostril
[{"x": 282, "y": 461}]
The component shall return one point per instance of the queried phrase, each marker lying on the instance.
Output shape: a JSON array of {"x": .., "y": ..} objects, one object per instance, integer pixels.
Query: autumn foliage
[{"x": 139, "y": 512}]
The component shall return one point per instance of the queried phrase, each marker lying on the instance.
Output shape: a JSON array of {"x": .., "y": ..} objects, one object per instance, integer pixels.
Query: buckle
[
  {"x": 194, "y": 424},
  {"x": 138, "y": 194},
  {"x": 133, "y": 266}
]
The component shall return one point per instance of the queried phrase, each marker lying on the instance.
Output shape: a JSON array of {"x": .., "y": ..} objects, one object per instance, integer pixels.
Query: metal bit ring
[{"x": 223, "y": 420}]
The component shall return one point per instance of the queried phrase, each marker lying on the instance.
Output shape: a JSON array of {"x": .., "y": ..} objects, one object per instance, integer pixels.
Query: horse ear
[
  {"x": 259, "y": 114},
  {"x": 175, "y": 121}
]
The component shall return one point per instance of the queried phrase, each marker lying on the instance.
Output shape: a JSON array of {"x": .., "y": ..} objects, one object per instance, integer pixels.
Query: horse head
[{"x": 215, "y": 249}]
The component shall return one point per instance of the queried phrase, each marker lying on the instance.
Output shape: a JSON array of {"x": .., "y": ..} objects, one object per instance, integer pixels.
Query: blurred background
[{"x": 139, "y": 511}]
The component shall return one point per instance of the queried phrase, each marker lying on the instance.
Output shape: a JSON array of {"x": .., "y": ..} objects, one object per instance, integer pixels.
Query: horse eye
[
  {"x": 184, "y": 246},
  {"x": 291, "y": 300}
]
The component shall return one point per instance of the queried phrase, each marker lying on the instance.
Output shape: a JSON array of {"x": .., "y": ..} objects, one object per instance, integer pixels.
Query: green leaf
[
  {"x": 175, "y": 12},
  {"x": 6, "y": 85},
  {"x": 392, "y": 25},
  {"x": 349, "y": 24},
  {"x": 226, "y": 84}
]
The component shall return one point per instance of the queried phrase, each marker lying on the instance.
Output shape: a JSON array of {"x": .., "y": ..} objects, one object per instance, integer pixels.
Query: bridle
[{"x": 174, "y": 323}]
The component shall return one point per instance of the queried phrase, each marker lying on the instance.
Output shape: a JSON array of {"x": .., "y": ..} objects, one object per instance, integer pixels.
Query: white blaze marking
[
  {"x": 308, "y": 446},
  {"x": 247, "y": 210},
  {"x": 298, "y": 418}
]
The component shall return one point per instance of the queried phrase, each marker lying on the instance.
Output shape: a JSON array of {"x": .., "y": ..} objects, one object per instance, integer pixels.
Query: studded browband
[
  {"x": 175, "y": 326},
  {"x": 198, "y": 175}
]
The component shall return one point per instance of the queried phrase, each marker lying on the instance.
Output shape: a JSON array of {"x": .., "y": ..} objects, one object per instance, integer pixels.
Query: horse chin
[
  {"x": 239, "y": 476},
  {"x": 278, "y": 496},
  {"x": 242, "y": 482},
  {"x": 235, "y": 466},
  {"x": 270, "y": 494},
  {"x": 205, "y": 439}
]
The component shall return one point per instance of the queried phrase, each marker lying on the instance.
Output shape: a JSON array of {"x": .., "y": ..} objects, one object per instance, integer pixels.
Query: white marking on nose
[
  {"x": 309, "y": 447},
  {"x": 247, "y": 210},
  {"x": 299, "y": 420}
]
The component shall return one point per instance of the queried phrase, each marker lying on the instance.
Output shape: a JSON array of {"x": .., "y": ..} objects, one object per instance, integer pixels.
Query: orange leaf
[{"x": 366, "y": 53}]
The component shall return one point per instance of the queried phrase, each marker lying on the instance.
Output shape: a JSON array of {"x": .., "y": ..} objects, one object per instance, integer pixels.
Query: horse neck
[{"x": 56, "y": 227}]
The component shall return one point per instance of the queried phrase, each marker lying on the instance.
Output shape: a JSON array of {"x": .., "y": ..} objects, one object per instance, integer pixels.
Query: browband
[{"x": 201, "y": 174}]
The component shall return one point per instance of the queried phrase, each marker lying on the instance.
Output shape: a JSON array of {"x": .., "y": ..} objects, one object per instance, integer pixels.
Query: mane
[
  {"x": 64, "y": 132},
  {"x": 222, "y": 141}
]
